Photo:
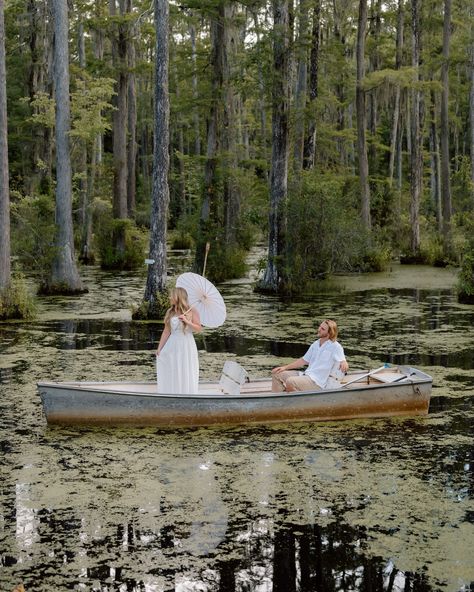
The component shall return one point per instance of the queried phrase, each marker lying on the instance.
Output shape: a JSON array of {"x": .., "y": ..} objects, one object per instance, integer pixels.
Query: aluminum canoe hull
[{"x": 138, "y": 404}]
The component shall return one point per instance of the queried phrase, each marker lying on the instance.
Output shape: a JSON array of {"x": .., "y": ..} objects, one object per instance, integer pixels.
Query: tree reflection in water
[{"x": 285, "y": 558}]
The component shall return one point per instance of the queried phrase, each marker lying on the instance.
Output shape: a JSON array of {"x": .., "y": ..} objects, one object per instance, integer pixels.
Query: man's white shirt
[{"x": 323, "y": 361}]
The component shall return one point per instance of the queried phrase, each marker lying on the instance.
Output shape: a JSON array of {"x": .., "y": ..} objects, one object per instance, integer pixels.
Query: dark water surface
[{"x": 357, "y": 505}]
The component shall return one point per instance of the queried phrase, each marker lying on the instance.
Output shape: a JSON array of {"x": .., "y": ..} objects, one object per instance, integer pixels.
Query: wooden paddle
[{"x": 364, "y": 376}]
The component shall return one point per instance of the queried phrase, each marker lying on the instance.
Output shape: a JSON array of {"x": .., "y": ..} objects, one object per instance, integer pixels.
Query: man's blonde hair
[{"x": 332, "y": 329}]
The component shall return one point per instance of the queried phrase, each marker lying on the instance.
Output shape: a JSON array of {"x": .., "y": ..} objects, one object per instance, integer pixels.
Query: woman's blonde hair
[
  {"x": 332, "y": 329},
  {"x": 179, "y": 297}
]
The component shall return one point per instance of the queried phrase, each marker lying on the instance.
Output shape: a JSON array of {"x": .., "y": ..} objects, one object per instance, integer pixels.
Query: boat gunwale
[{"x": 421, "y": 378}]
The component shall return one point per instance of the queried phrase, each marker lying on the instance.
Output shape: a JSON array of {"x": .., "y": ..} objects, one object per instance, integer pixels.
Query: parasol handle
[{"x": 191, "y": 307}]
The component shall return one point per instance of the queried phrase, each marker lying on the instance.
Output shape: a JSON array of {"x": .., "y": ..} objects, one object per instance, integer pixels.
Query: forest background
[{"x": 340, "y": 133}]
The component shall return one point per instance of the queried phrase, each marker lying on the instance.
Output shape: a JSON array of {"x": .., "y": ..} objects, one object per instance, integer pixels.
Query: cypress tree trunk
[
  {"x": 178, "y": 198},
  {"x": 340, "y": 17},
  {"x": 229, "y": 132},
  {"x": 196, "y": 123},
  {"x": 210, "y": 223},
  {"x": 445, "y": 160},
  {"x": 131, "y": 120},
  {"x": 301, "y": 85},
  {"x": 64, "y": 276},
  {"x": 157, "y": 271},
  {"x": 309, "y": 150},
  {"x": 361, "y": 116},
  {"x": 262, "y": 114},
  {"x": 374, "y": 60},
  {"x": 85, "y": 255},
  {"x": 416, "y": 161},
  {"x": 435, "y": 164},
  {"x": 119, "y": 123},
  {"x": 274, "y": 278},
  {"x": 5, "y": 269},
  {"x": 396, "y": 108},
  {"x": 39, "y": 80},
  {"x": 471, "y": 117}
]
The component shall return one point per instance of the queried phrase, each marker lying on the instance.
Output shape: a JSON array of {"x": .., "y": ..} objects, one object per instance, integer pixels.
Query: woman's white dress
[{"x": 177, "y": 366}]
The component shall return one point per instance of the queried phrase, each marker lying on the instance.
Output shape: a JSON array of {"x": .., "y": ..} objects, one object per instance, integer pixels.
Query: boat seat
[{"x": 232, "y": 378}]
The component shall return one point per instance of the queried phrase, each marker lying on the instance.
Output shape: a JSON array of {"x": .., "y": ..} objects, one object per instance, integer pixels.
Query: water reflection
[
  {"x": 363, "y": 505},
  {"x": 127, "y": 336},
  {"x": 258, "y": 510}
]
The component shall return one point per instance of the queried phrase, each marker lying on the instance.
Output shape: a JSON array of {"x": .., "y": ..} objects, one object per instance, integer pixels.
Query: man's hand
[{"x": 344, "y": 366}]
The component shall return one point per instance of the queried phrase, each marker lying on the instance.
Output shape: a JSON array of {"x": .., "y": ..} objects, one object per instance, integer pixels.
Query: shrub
[
  {"x": 465, "y": 286},
  {"x": 114, "y": 232},
  {"x": 16, "y": 301},
  {"x": 156, "y": 311},
  {"x": 181, "y": 239},
  {"x": 325, "y": 233},
  {"x": 226, "y": 263},
  {"x": 33, "y": 231}
]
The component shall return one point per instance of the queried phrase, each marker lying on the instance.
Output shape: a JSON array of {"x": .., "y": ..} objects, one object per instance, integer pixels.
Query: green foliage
[
  {"x": 33, "y": 231},
  {"x": 42, "y": 108},
  {"x": 431, "y": 250},
  {"x": 462, "y": 186},
  {"x": 226, "y": 263},
  {"x": 155, "y": 310},
  {"x": 325, "y": 233},
  {"x": 253, "y": 188},
  {"x": 465, "y": 287},
  {"x": 90, "y": 102},
  {"x": 377, "y": 257},
  {"x": 180, "y": 239},
  {"x": 402, "y": 78},
  {"x": 16, "y": 301},
  {"x": 114, "y": 231}
]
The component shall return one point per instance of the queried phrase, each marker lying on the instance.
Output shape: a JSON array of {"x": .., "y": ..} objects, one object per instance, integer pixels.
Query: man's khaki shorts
[{"x": 292, "y": 380}]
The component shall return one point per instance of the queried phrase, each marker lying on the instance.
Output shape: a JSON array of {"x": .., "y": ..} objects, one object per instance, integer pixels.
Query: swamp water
[{"x": 384, "y": 504}]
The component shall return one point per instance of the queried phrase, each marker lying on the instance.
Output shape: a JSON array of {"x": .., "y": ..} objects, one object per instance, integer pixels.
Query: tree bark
[
  {"x": 157, "y": 271},
  {"x": 119, "y": 123},
  {"x": 435, "y": 164},
  {"x": 471, "y": 115},
  {"x": 301, "y": 85},
  {"x": 178, "y": 198},
  {"x": 83, "y": 184},
  {"x": 274, "y": 278},
  {"x": 5, "y": 265},
  {"x": 396, "y": 107},
  {"x": 416, "y": 160},
  {"x": 232, "y": 195},
  {"x": 309, "y": 151},
  {"x": 39, "y": 80},
  {"x": 374, "y": 60},
  {"x": 132, "y": 121},
  {"x": 340, "y": 87},
  {"x": 445, "y": 159},
  {"x": 196, "y": 122},
  {"x": 262, "y": 114},
  {"x": 361, "y": 116},
  {"x": 64, "y": 277},
  {"x": 210, "y": 221}
]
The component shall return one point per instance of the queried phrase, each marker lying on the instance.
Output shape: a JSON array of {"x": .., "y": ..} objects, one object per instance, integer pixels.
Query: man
[{"x": 325, "y": 360}]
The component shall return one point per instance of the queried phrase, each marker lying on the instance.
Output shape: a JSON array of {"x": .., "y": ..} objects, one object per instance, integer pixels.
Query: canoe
[{"x": 394, "y": 391}]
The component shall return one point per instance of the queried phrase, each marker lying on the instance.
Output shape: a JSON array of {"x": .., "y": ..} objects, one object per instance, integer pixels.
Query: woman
[{"x": 177, "y": 364}]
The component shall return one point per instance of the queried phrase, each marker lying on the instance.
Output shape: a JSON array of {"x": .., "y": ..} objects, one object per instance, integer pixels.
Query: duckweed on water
[{"x": 356, "y": 504}]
